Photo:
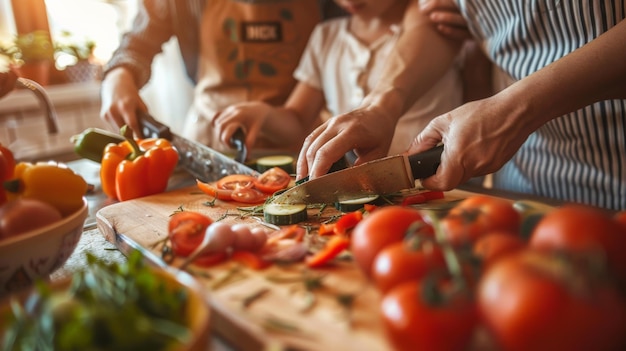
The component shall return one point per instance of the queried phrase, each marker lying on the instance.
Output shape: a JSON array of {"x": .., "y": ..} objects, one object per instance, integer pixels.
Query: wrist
[{"x": 390, "y": 103}]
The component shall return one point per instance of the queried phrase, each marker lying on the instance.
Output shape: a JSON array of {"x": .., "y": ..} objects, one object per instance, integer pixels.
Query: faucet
[{"x": 40, "y": 93}]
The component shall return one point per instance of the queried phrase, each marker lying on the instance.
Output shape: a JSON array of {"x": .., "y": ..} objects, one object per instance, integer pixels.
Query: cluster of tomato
[
  {"x": 474, "y": 279},
  {"x": 246, "y": 188}
]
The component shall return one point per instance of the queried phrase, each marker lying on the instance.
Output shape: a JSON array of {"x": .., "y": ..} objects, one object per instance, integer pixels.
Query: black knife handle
[
  {"x": 238, "y": 141},
  {"x": 425, "y": 164},
  {"x": 151, "y": 128}
]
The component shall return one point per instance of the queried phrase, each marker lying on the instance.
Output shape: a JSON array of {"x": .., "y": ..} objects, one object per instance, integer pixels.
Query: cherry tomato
[
  {"x": 248, "y": 196},
  {"x": 22, "y": 215},
  {"x": 532, "y": 300},
  {"x": 408, "y": 260},
  {"x": 476, "y": 216},
  {"x": 213, "y": 191},
  {"x": 378, "y": 229},
  {"x": 186, "y": 230},
  {"x": 495, "y": 245},
  {"x": 581, "y": 228},
  {"x": 430, "y": 317},
  {"x": 272, "y": 180}
]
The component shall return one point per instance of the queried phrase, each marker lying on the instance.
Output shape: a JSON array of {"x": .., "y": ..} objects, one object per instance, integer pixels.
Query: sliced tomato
[
  {"x": 248, "y": 196},
  {"x": 186, "y": 230},
  {"x": 272, "y": 180},
  {"x": 235, "y": 181},
  {"x": 210, "y": 190}
]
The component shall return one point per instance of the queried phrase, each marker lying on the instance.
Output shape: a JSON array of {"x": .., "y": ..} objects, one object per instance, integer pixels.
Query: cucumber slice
[
  {"x": 356, "y": 204},
  {"x": 284, "y": 214},
  {"x": 268, "y": 162}
]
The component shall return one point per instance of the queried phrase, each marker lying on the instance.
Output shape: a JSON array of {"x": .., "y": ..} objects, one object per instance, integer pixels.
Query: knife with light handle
[{"x": 384, "y": 176}]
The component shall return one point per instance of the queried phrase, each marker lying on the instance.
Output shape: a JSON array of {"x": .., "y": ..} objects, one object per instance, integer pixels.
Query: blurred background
[{"x": 77, "y": 37}]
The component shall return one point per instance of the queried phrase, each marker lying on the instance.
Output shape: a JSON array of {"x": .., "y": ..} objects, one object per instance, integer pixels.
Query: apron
[{"x": 248, "y": 52}]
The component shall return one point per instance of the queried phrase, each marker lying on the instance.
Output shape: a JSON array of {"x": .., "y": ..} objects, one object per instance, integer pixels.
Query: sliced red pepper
[
  {"x": 369, "y": 208},
  {"x": 422, "y": 197},
  {"x": 326, "y": 229},
  {"x": 250, "y": 260},
  {"x": 333, "y": 247},
  {"x": 347, "y": 221}
]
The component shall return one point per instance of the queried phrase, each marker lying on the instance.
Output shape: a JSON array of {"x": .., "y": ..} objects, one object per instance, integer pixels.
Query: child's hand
[
  {"x": 447, "y": 18},
  {"x": 249, "y": 116}
]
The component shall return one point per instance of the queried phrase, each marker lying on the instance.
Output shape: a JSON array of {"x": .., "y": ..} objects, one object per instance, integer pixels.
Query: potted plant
[
  {"x": 76, "y": 58},
  {"x": 31, "y": 55}
]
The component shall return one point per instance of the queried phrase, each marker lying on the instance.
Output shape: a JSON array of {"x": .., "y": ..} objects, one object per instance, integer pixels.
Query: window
[{"x": 102, "y": 21}]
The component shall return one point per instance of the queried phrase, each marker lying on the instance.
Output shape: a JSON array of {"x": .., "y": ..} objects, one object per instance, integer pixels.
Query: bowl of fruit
[
  {"x": 26, "y": 256},
  {"x": 42, "y": 212}
]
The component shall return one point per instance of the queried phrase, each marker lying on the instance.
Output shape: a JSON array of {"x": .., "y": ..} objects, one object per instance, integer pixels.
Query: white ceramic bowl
[{"x": 34, "y": 255}]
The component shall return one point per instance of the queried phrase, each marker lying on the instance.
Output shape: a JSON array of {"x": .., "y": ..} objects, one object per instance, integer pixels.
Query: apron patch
[{"x": 261, "y": 32}]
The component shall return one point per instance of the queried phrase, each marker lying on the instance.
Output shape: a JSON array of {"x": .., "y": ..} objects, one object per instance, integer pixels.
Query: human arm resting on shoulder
[
  {"x": 481, "y": 136},
  {"x": 419, "y": 59}
]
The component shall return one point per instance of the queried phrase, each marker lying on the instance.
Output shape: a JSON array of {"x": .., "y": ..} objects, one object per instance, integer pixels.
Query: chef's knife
[
  {"x": 379, "y": 177},
  {"x": 199, "y": 160}
]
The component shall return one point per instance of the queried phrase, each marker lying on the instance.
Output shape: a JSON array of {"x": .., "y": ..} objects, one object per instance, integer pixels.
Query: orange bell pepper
[
  {"x": 137, "y": 168},
  {"x": 7, "y": 165}
]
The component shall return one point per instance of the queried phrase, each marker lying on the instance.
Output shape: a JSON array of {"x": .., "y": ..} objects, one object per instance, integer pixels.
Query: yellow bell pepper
[
  {"x": 51, "y": 182},
  {"x": 137, "y": 168}
]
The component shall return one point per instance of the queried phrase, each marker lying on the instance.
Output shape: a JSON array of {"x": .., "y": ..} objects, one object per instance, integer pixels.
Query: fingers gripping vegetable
[
  {"x": 7, "y": 166},
  {"x": 50, "y": 182},
  {"x": 137, "y": 168}
]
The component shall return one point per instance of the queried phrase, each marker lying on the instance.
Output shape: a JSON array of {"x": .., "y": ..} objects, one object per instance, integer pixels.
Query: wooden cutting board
[{"x": 142, "y": 224}]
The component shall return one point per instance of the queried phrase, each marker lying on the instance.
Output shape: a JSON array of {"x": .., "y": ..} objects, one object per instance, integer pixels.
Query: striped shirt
[{"x": 581, "y": 156}]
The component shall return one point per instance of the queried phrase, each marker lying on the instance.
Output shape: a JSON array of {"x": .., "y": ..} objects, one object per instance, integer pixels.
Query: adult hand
[
  {"x": 447, "y": 18},
  {"x": 368, "y": 131},
  {"x": 121, "y": 100},
  {"x": 249, "y": 116},
  {"x": 479, "y": 138}
]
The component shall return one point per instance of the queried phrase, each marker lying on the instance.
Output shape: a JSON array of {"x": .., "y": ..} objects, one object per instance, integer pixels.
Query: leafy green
[{"x": 106, "y": 307}]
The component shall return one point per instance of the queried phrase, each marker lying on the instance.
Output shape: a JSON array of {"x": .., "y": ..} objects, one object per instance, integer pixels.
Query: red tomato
[
  {"x": 409, "y": 260},
  {"x": 235, "y": 181},
  {"x": 248, "y": 196},
  {"x": 22, "y": 215},
  {"x": 476, "y": 216},
  {"x": 418, "y": 316},
  {"x": 186, "y": 230},
  {"x": 272, "y": 180},
  {"x": 531, "y": 300},
  {"x": 378, "y": 229},
  {"x": 583, "y": 228},
  {"x": 210, "y": 190},
  {"x": 495, "y": 245}
]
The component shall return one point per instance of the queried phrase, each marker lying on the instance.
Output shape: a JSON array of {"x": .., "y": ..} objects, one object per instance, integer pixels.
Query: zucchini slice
[
  {"x": 356, "y": 204},
  {"x": 282, "y": 161},
  {"x": 284, "y": 214}
]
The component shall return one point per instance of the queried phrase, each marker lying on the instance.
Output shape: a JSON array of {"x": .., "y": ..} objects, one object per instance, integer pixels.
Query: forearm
[
  {"x": 592, "y": 73},
  {"x": 420, "y": 58},
  {"x": 151, "y": 28}
]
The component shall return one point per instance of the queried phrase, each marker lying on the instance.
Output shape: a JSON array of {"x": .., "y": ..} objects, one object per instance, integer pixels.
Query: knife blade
[
  {"x": 199, "y": 160},
  {"x": 384, "y": 176},
  {"x": 238, "y": 141}
]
